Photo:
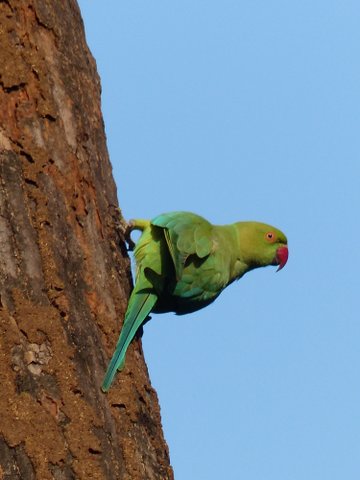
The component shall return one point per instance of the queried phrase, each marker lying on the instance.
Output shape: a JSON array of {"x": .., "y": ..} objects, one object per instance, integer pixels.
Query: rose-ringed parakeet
[{"x": 183, "y": 263}]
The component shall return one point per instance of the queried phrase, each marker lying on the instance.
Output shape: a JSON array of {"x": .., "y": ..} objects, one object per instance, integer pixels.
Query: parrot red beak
[{"x": 282, "y": 254}]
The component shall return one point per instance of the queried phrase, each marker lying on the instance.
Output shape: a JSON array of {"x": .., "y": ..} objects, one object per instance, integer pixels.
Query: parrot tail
[{"x": 140, "y": 305}]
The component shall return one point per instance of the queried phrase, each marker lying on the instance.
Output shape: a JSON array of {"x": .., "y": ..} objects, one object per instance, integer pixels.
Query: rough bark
[{"x": 64, "y": 270}]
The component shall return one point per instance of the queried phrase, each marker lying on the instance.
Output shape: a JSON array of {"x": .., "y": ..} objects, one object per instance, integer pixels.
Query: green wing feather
[{"x": 186, "y": 234}]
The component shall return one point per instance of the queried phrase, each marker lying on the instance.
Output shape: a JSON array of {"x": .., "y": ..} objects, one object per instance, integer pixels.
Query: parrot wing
[{"x": 186, "y": 234}]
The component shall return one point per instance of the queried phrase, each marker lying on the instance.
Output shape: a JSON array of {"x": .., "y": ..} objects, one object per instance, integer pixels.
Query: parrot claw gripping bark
[{"x": 183, "y": 263}]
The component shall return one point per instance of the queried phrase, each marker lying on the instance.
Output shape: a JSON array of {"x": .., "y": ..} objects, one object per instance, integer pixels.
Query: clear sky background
[{"x": 241, "y": 110}]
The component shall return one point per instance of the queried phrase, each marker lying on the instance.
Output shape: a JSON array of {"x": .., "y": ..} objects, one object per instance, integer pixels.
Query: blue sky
[{"x": 241, "y": 110}]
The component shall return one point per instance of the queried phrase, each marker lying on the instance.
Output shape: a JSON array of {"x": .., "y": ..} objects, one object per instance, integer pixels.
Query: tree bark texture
[{"x": 64, "y": 270}]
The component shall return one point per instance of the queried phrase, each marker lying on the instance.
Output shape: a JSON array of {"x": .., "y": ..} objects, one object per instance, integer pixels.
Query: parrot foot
[
  {"x": 134, "y": 225},
  {"x": 122, "y": 227},
  {"x": 127, "y": 235}
]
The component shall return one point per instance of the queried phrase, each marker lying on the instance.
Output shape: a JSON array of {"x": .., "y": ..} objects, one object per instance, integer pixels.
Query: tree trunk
[{"x": 64, "y": 269}]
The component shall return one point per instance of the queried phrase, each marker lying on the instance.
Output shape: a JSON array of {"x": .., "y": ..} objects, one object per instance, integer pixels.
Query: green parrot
[{"x": 183, "y": 263}]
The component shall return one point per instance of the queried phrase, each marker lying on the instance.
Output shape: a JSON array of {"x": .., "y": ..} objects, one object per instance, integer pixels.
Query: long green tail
[{"x": 140, "y": 306}]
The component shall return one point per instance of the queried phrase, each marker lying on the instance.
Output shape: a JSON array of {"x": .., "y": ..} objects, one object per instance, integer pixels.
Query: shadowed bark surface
[{"x": 64, "y": 270}]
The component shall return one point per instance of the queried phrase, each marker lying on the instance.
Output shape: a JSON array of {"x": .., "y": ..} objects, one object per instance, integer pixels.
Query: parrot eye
[{"x": 270, "y": 237}]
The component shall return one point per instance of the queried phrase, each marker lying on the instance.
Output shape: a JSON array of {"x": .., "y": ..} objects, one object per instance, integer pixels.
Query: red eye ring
[{"x": 270, "y": 237}]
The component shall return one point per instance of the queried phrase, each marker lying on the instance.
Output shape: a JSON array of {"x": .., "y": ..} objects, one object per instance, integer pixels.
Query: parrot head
[{"x": 262, "y": 245}]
